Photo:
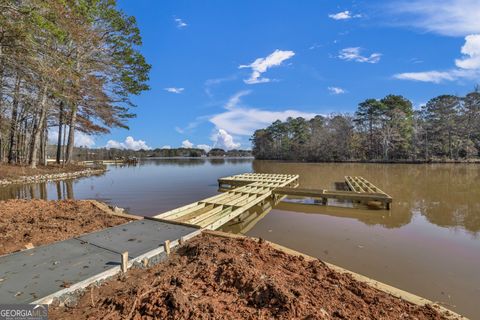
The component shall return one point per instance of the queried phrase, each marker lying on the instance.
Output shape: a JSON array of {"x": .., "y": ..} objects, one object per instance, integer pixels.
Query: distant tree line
[
  {"x": 389, "y": 129},
  {"x": 82, "y": 153},
  {"x": 70, "y": 65}
]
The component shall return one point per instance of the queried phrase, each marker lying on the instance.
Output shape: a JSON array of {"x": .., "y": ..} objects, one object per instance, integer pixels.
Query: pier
[{"x": 244, "y": 191}]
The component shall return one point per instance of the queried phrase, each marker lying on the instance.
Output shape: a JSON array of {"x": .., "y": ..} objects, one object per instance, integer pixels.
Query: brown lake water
[{"x": 428, "y": 243}]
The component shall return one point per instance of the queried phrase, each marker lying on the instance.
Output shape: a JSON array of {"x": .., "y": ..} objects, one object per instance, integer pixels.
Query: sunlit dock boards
[{"x": 243, "y": 192}]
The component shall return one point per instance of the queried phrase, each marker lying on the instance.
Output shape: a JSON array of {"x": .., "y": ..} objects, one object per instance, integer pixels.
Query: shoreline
[
  {"x": 51, "y": 176},
  {"x": 470, "y": 161}
]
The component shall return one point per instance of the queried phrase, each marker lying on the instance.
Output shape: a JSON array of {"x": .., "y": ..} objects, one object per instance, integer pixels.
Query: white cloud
[
  {"x": 81, "y": 139},
  {"x": 336, "y": 90},
  {"x": 446, "y": 17},
  {"x": 427, "y": 76},
  {"x": 174, "y": 90},
  {"x": 179, "y": 130},
  {"x": 344, "y": 15},
  {"x": 468, "y": 67},
  {"x": 242, "y": 120},
  {"x": 211, "y": 83},
  {"x": 180, "y": 23},
  {"x": 166, "y": 147},
  {"x": 187, "y": 144},
  {"x": 471, "y": 52},
  {"x": 223, "y": 140},
  {"x": 205, "y": 147},
  {"x": 130, "y": 143},
  {"x": 261, "y": 65},
  {"x": 353, "y": 54}
]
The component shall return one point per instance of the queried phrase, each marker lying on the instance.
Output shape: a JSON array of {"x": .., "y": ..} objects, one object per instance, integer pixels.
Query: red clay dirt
[
  {"x": 224, "y": 278},
  {"x": 35, "y": 222}
]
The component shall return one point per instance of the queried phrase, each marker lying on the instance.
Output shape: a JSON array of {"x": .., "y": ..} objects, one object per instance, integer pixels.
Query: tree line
[
  {"x": 83, "y": 153},
  {"x": 446, "y": 128},
  {"x": 65, "y": 66}
]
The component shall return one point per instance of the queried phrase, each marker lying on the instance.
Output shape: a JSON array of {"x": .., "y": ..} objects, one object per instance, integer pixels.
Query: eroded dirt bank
[
  {"x": 224, "y": 278},
  {"x": 37, "y": 222}
]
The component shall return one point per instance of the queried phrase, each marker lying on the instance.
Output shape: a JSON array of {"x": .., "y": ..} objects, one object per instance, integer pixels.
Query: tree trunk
[
  {"x": 71, "y": 135},
  {"x": 73, "y": 117},
  {"x": 64, "y": 142},
  {"x": 13, "y": 123},
  {"x": 39, "y": 128},
  {"x": 1, "y": 104},
  {"x": 43, "y": 144},
  {"x": 60, "y": 128}
]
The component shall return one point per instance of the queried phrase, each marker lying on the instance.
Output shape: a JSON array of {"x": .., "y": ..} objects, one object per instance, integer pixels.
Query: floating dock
[
  {"x": 360, "y": 190},
  {"x": 244, "y": 191}
]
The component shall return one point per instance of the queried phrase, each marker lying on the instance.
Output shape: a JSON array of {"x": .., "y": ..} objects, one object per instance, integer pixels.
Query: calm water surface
[{"x": 429, "y": 243}]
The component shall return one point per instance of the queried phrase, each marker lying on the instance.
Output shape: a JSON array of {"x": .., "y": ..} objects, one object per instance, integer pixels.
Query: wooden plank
[
  {"x": 185, "y": 218},
  {"x": 205, "y": 215}
]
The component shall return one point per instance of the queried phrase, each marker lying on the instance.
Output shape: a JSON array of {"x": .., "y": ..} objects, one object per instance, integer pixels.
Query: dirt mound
[
  {"x": 218, "y": 278},
  {"x": 36, "y": 222}
]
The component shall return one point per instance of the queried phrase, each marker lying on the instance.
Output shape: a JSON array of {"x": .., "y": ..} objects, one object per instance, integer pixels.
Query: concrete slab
[
  {"x": 137, "y": 237},
  {"x": 30, "y": 275},
  {"x": 34, "y": 273}
]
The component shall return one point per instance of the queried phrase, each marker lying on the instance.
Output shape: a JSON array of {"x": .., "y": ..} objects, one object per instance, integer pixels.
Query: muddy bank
[
  {"x": 225, "y": 278},
  {"x": 26, "y": 223},
  {"x": 15, "y": 174}
]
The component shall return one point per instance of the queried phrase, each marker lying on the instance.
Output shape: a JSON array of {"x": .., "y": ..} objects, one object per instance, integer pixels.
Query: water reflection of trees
[
  {"x": 61, "y": 190},
  {"x": 447, "y": 195},
  {"x": 191, "y": 162}
]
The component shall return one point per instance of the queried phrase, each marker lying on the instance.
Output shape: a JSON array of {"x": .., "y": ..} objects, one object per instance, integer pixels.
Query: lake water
[{"x": 428, "y": 243}]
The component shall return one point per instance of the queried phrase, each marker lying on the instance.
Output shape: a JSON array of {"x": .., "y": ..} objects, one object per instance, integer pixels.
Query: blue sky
[{"x": 221, "y": 69}]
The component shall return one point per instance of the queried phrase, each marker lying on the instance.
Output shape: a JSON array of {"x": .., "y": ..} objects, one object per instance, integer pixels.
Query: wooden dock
[
  {"x": 242, "y": 192},
  {"x": 245, "y": 191}
]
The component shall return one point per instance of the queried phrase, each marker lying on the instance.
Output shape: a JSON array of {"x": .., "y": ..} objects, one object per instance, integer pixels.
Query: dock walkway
[
  {"x": 242, "y": 192},
  {"x": 38, "y": 275}
]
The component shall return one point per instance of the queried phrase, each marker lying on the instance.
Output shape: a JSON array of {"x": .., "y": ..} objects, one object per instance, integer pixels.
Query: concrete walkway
[{"x": 44, "y": 272}]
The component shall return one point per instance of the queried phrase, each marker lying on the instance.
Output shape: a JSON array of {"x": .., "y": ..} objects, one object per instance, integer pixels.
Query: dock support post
[
  {"x": 124, "y": 257},
  {"x": 167, "y": 247}
]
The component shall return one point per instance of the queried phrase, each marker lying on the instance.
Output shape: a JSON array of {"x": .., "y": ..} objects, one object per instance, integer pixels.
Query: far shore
[{"x": 433, "y": 161}]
